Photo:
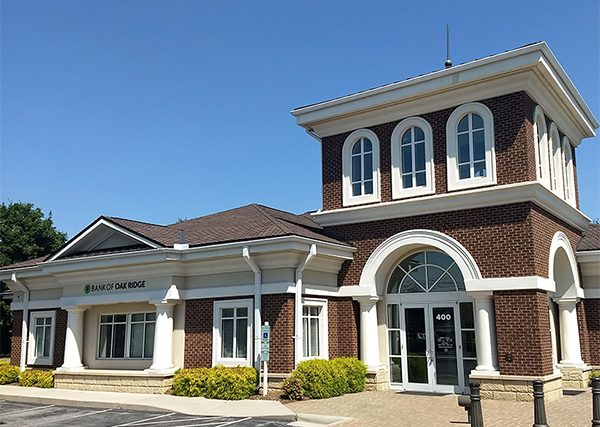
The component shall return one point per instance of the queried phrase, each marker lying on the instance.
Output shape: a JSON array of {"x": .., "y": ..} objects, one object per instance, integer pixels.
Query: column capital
[
  {"x": 481, "y": 295},
  {"x": 75, "y": 308},
  {"x": 367, "y": 300},
  {"x": 566, "y": 302}
]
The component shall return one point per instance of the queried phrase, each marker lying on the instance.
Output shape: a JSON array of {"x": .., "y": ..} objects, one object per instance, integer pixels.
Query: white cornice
[
  {"x": 532, "y": 68},
  {"x": 462, "y": 200}
]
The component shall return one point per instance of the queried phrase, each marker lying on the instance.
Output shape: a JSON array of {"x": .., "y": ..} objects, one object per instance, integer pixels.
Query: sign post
[{"x": 265, "y": 338}]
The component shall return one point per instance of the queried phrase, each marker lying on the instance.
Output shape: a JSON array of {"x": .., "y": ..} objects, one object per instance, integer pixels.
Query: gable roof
[
  {"x": 591, "y": 239},
  {"x": 251, "y": 222}
]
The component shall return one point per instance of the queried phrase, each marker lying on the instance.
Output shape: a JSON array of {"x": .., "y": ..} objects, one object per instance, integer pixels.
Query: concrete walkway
[{"x": 148, "y": 402}]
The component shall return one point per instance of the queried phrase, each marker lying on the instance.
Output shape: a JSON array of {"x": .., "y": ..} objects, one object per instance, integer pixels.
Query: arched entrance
[{"x": 430, "y": 324}]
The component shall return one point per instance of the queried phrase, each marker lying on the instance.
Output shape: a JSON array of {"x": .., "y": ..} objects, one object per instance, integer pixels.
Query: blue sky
[{"x": 159, "y": 110}]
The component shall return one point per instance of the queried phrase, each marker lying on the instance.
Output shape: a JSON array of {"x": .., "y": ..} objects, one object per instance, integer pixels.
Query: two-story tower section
[{"x": 458, "y": 189}]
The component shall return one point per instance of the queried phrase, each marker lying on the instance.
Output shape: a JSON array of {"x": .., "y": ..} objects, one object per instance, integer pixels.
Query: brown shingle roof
[
  {"x": 28, "y": 263},
  {"x": 591, "y": 239}
]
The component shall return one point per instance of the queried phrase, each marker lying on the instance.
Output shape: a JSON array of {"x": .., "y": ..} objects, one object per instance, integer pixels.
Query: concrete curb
[
  {"x": 314, "y": 420},
  {"x": 150, "y": 403}
]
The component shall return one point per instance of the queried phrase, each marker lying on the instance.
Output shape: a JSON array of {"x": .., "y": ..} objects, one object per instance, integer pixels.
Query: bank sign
[{"x": 92, "y": 288}]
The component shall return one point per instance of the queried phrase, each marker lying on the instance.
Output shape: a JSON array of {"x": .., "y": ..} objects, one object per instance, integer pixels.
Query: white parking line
[
  {"x": 235, "y": 422},
  {"x": 77, "y": 416},
  {"x": 179, "y": 420},
  {"x": 133, "y": 423},
  {"x": 28, "y": 409}
]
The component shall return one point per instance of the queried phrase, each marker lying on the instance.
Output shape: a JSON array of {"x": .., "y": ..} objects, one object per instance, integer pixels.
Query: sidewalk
[{"x": 148, "y": 402}]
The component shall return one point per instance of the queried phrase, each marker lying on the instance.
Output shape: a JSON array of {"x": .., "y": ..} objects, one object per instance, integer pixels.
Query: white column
[
  {"x": 569, "y": 333},
  {"x": 369, "y": 332},
  {"x": 485, "y": 332},
  {"x": 162, "y": 359},
  {"x": 74, "y": 339}
]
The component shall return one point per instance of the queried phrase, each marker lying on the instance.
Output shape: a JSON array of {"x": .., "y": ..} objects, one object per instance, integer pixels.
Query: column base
[
  {"x": 491, "y": 372},
  {"x": 517, "y": 387},
  {"x": 575, "y": 376},
  {"x": 71, "y": 368},
  {"x": 377, "y": 378},
  {"x": 161, "y": 371}
]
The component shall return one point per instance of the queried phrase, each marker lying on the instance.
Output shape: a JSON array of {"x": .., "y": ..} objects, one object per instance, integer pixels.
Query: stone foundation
[
  {"x": 120, "y": 381},
  {"x": 275, "y": 380},
  {"x": 517, "y": 388},
  {"x": 378, "y": 379},
  {"x": 575, "y": 377}
]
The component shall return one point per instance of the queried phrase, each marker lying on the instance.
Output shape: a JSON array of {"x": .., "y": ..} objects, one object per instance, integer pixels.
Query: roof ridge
[
  {"x": 274, "y": 220},
  {"x": 135, "y": 220}
]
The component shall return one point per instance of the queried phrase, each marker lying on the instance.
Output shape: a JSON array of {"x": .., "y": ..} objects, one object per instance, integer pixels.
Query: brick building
[{"x": 449, "y": 247}]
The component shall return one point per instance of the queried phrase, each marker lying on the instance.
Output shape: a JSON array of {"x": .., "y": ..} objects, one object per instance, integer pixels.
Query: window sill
[
  {"x": 360, "y": 200},
  {"x": 412, "y": 192},
  {"x": 468, "y": 184}
]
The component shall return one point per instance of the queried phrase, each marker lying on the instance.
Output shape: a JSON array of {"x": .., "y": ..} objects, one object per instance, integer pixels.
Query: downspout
[
  {"x": 257, "y": 303},
  {"x": 24, "y": 332},
  {"x": 298, "y": 304}
]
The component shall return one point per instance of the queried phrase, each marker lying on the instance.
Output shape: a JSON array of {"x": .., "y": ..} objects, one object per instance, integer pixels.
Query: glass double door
[{"x": 432, "y": 351}]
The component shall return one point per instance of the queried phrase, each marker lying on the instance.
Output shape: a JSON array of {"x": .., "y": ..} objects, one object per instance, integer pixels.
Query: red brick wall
[
  {"x": 15, "y": 339},
  {"x": 523, "y": 332},
  {"x": 513, "y": 136},
  {"x": 198, "y": 333},
  {"x": 60, "y": 333},
  {"x": 592, "y": 321},
  {"x": 278, "y": 310},
  {"x": 584, "y": 340},
  {"x": 343, "y": 327}
]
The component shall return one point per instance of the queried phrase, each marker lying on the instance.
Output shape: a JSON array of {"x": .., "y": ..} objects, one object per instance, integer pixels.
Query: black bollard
[
  {"x": 596, "y": 401},
  {"x": 476, "y": 414},
  {"x": 539, "y": 408}
]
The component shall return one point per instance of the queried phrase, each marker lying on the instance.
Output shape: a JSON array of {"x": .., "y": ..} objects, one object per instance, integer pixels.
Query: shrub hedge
[
  {"x": 8, "y": 373},
  {"x": 36, "y": 378},
  {"x": 292, "y": 389},
  {"x": 218, "y": 382},
  {"x": 321, "y": 379},
  {"x": 593, "y": 374}
]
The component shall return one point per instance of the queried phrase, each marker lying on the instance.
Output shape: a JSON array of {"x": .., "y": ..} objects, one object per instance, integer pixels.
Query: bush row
[
  {"x": 29, "y": 378},
  {"x": 218, "y": 382},
  {"x": 321, "y": 379}
]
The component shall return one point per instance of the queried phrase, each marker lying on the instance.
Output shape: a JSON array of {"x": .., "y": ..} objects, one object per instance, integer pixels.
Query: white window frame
[
  {"x": 542, "y": 158},
  {"x": 347, "y": 198},
  {"x": 556, "y": 161},
  {"x": 128, "y": 316},
  {"x": 31, "y": 359},
  {"x": 217, "y": 339},
  {"x": 569, "y": 177},
  {"x": 323, "y": 326},
  {"x": 454, "y": 183},
  {"x": 398, "y": 191}
]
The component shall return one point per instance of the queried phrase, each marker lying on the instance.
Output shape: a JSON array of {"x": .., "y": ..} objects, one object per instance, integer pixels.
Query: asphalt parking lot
[{"x": 25, "y": 414}]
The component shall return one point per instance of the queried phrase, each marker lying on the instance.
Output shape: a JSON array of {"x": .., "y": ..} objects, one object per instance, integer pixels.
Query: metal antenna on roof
[{"x": 448, "y": 62}]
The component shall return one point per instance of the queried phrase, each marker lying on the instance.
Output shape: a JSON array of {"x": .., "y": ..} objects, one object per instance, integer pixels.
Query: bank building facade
[{"x": 449, "y": 247}]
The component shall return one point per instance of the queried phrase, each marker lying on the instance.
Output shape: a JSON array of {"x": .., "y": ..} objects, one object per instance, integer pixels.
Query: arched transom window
[
  {"x": 426, "y": 271},
  {"x": 362, "y": 167}
]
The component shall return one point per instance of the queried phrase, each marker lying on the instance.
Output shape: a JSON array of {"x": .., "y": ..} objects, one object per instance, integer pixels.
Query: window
[
  {"x": 232, "y": 337},
  {"x": 360, "y": 164},
  {"x": 556, "y": 164},
  {"x": 314, "y": 329},
  {"x": 426, "y": 271},
  {"x": 467, "y": 331},
  {"x": 569, "y": 171},
  {"x": 470, "y": 147},
  {"x": 412, "y": 158},
  {"x": 126, "y": 336},
  {"x": 541, "y": 148},
  {"x": 41, "y": 338}
]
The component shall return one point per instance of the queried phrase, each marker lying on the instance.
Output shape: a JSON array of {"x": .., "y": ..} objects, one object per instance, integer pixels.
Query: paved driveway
[{"x": 24, "y": 414}]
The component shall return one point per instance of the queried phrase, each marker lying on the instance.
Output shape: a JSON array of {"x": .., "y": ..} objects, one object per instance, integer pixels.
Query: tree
[{"x": 25, "y": 233}]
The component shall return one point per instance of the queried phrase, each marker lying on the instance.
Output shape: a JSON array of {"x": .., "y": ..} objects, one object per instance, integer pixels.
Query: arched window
[
  {"x": 541, "y": 147},
  {"x": 426, "y": 271},
  {"x": 360, "y": 168},
  {"x": 412, "y": 158},
  {"x": 569, "y": 171},
  {"x": 556, "y": 164},
  {"x": 470, "y": 147}
]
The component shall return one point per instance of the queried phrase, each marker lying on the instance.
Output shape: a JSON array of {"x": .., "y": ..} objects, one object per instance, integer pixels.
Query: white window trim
[
  {"x": 397, "y": 191},
  {"x": 347, "y": 198},
  {"x": 127, "y": 334},
  {"x": 454, "y": 183},
  {"x": 556, "y": 161},
  {"x": 31, "y": 359},
  {"x": 323, "y": 325},
  {"x": 541, "y": 147},
  {"x": 567, "y": 150},
  {"x": 231, "y": 361}
]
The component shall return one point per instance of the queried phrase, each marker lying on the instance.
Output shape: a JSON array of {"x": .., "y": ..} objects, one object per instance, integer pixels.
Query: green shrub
[
  {"x": 355, "y": 371},
  {"x": 216, "y": 383},
  {"x": 8, "y": 374},
  {"x": 292, "y": 389},
  {"x": 593, "y": 374},
  {"x": 320, "y": 379},
  {"x": 4, "y": 362},
  {"x": 36, "y": 378}
]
